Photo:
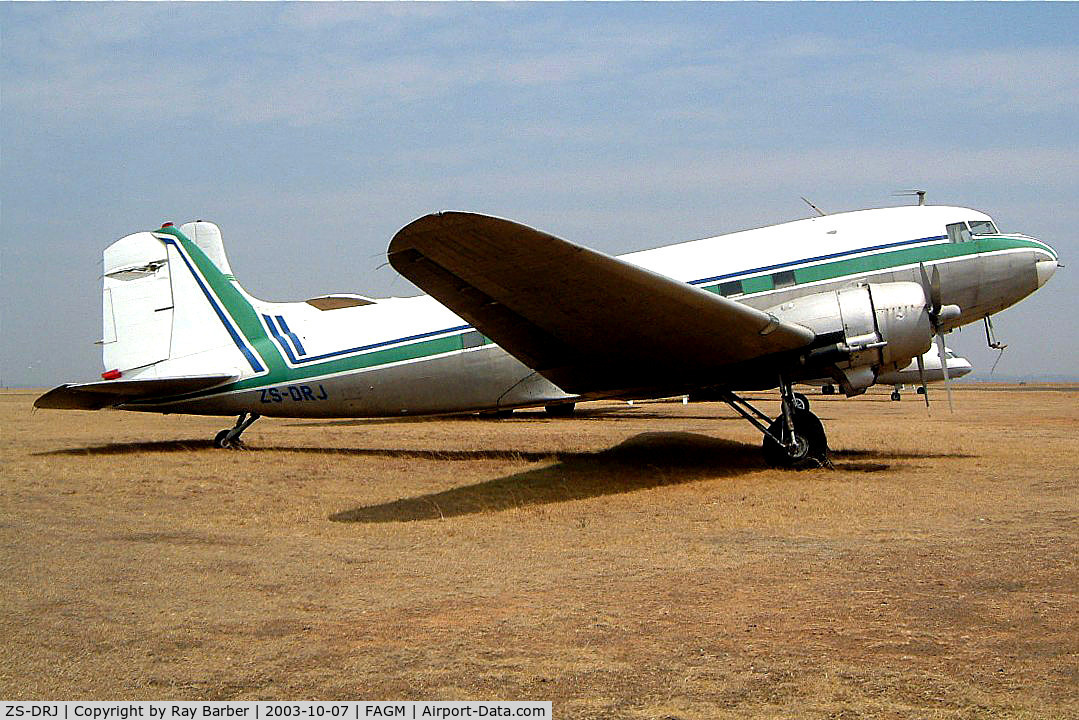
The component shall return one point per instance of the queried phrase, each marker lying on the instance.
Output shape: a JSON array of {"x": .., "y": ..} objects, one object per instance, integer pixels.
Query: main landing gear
[
  {"x": 795, "y": 439},
  {"x": 230, "y": 438},
  {"x": 896, "y": 397}
]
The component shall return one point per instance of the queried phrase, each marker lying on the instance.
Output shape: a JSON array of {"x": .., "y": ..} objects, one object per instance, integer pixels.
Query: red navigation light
[
  {"x": 165, "y": 225},
  {"x": 111, "y": 375}
]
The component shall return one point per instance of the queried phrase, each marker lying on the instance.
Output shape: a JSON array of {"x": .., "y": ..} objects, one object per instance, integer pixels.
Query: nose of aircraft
[
  {"x": 1045, "y": 268},
  {"x": 1046, "y": 263}
]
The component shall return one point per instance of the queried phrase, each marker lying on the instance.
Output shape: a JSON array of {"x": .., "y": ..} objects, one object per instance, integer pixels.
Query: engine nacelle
[{"x": 864, "y": 329}]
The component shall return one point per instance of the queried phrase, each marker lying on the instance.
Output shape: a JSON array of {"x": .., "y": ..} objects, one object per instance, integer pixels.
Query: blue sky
[{"x": 312, "y": 132}]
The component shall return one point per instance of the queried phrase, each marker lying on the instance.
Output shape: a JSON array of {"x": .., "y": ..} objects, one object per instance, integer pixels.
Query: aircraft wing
[
  {"x": 109, "y": 393},
  {"x": 590, "y": 323}
]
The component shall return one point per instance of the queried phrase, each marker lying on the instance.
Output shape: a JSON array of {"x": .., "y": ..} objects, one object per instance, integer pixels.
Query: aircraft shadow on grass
[
  {"x": 644, "y": 461},
  {"x": 648, "y": 460}
]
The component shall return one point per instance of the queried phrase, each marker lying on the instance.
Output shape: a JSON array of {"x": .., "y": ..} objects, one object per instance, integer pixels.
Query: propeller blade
[
  {"x": 934, "y": 288},
  {"x": 921, "y": 379},
  {"x": 927, "y": 289},
  {"x": 932, "y": 293},
  {"x": 944, "y": 369}
]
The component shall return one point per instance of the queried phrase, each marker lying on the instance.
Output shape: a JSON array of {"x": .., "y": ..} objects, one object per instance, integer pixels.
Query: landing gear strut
[
  {"x": 796, "y": 439},
  {"x": 230, "y": 438}
]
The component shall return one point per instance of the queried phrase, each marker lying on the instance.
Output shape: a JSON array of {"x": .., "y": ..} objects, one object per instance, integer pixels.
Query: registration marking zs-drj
[{"x": 293, "y": 393}]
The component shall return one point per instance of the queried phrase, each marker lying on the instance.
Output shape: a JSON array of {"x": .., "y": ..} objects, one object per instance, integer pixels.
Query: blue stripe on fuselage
[
  {"x": 832, "y": 256},
  {"x": 292, "y": 335}
]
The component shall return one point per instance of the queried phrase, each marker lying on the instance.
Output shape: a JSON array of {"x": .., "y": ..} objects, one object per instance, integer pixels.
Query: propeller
[{"x": 938, "y": 313}]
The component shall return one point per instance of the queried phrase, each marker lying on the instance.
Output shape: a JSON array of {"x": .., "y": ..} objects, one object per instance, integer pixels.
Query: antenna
[
  {"x": 912, "y": 193},
  {"x": 819, "y": 211}
]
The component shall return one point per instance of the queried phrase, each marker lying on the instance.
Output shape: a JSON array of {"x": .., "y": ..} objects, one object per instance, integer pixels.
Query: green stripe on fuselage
[
  {"x": 241, "y": 312},
  {"x": 246, "y": 319},
  {"x": 881, "y": 261}
]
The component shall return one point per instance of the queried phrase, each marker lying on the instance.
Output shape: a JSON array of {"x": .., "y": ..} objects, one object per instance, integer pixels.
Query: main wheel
[
  {"x": 562, "y": 410},
  {"x": 801, "y": 402},
  {"x": 810, "y": 443},
  {"x": 828, "y": 390}
]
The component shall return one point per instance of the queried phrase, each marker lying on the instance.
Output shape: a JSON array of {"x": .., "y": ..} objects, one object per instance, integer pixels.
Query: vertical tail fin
[
  {"x": 207, "y": 237},
  {"x": 160, "y": 318}
]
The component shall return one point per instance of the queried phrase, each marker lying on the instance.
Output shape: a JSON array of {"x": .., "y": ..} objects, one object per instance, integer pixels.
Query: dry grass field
[{"x": 633, "y": 562}]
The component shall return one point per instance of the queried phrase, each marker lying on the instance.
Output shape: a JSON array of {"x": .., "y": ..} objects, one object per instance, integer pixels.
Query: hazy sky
[{"x": 312, "y": 132}]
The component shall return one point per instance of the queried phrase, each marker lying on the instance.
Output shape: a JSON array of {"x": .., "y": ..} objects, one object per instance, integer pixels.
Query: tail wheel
[
  {"x": 810, "y": 446},
  {"x": 230, "y": 438}
]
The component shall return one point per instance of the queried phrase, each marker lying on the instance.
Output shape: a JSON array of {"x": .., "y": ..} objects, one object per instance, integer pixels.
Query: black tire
[
  {"x": 828, "y": 390},
  {"x": 812, "y": 443},
  {"x": 221, "y": 440},
  {"x": 801, "y": 402},
  {"x": 920, "y": 390},
  {"x": 562, "y": 410},
  {"x": 896, "y": 397}
]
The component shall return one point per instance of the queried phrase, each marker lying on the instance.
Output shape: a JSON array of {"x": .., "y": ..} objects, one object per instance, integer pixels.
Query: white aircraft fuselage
[{"x": 174, "y": 310}]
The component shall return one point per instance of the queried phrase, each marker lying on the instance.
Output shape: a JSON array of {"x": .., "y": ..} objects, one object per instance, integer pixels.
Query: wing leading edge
[{"x": 589, "y": 322}]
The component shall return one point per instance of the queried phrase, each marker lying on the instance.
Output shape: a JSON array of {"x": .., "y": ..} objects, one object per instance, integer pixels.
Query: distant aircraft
[
  {"x": 930, "y": 372},
  {"x": 516, "y": 318}
]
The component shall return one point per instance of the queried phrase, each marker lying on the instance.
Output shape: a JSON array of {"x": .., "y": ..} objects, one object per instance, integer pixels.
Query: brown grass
[{"x": 636, "y": 562}]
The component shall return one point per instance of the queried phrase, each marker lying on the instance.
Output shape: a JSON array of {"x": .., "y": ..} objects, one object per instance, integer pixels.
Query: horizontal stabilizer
[{"x": 110, "y": 393}]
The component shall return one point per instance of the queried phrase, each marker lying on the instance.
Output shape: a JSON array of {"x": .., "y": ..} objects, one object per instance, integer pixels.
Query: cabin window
[
  {"x": 957, "y": 232},
  {"x": 729, "y": 289},
  {"x": 983, "y": 227},
  {"x": 783, "y": 279},
  {"x": 471, "y": 339}
]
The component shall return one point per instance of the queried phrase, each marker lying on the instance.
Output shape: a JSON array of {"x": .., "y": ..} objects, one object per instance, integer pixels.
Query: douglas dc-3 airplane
[{"x": 516, "y": 318}]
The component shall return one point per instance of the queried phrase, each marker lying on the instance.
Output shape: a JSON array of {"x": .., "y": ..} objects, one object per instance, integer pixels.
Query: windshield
[{"x": 983, "y": 227}]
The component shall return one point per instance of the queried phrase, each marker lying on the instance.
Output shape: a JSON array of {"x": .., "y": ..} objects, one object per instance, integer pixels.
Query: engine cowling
[{"x": 862, "y": 330}]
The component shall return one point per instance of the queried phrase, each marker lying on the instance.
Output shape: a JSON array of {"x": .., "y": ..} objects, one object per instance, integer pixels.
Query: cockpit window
[
  {"x": 983, "y": 227},
  {"x": 957, "y": 232}
]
